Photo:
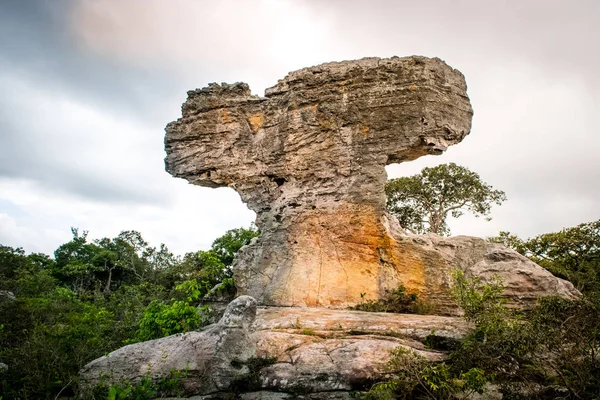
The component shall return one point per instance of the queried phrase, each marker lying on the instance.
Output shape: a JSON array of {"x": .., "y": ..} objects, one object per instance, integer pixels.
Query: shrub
[
  {"x": 145, "y": 389},
  {"x": 395, "y": 301},
  {"x": 549, "y": 350},
  {"x": 417, "y": 377},
  {"x": 161, "y": 319}
]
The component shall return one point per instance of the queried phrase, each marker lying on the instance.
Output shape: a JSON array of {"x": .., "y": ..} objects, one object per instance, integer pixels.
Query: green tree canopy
[
  {"x": 228, "y": 245},
  {"x": 572, "y": 253},
  {"x": 422, "y": 202},
  {"x": 93, "y": 297}
]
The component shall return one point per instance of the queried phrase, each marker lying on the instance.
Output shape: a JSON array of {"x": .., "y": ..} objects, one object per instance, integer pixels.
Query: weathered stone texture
[
  {"x": 309, "y": 159},
  {"x": 205, "y": 356},
  {"x": 314, "y": 351}
]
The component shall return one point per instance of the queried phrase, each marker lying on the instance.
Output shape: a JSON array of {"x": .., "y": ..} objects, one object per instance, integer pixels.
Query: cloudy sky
[{"x": 87, "y": 86}]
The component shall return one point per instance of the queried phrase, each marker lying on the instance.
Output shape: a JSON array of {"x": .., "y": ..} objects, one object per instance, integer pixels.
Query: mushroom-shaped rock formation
[{"x": 309, "y": 158}]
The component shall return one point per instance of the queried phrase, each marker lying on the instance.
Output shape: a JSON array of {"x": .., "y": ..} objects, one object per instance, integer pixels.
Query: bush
[
  {"x": 145, "y": 389},
  {"x": 548, "y": 352},
  {"x": 551, "y": 349},
  {"x": 60, "y": 334},
  {"x": 395, "y": 301},
  {"x": 161, "y": 319},
  {"x": 417, "y": 377}
]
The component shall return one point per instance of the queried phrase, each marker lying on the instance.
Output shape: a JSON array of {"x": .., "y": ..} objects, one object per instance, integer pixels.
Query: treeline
[
  {"x": 59, "y": 313},
  {"x": 93, "y": 296}
]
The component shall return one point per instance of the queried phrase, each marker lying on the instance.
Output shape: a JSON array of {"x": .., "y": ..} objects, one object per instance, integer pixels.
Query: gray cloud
[
  {"x": 86, "y": 88},
  {"x": 39, "y": 45}
]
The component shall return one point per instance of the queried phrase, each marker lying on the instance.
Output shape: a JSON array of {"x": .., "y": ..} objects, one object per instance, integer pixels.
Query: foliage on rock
[
  {"x": 145, "y": 389},
  {"x": 396, "y": 301},
  {"x": 549, "y": 352},
  {"x": 417, "y": 377}
]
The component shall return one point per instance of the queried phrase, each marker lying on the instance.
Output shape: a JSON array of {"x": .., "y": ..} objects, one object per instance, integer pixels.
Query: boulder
[
  {"x": 429, "y": 260},
  {"x": 278, "y": 351},
  {"x": 205, "y": 357}
]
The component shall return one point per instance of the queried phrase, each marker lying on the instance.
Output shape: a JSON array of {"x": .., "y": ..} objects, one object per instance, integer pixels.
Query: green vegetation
[
  {"x": 549, "y": 352},
  {"x": 93, "y": 297},
  {"x": 145, "y": 389},
  {"x": 163, "y": 319},
  {"x": 395, "y": 301},
  {"x": 572, "y": 254},
  {"x": 422, "y": 202},
  {"x": 308, "y": 332},
  {"x": 416, "y": 377}
]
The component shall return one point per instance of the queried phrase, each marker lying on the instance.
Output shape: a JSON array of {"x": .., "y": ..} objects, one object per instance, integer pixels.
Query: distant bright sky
[{"x": 86, "y": 88}]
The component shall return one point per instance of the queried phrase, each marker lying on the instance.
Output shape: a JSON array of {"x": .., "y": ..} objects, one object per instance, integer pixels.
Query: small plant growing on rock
[
  {"x": 251, "y": 380},
  {"x": 308, "y": 332},
  {"x": 418, "y": 377},
  {"x": 395, "y": 301}
]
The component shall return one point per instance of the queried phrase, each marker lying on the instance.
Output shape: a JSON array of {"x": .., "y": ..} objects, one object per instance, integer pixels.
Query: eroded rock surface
[
  {"x": 427, "y": 262},
  {"x": 309, "y": 159},
  {"x": 320, "y": 352},
  {"x": 205, "y": 356}
]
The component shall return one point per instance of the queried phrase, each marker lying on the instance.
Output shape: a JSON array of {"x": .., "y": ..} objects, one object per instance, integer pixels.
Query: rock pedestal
[{"x": 309, "y": 158}]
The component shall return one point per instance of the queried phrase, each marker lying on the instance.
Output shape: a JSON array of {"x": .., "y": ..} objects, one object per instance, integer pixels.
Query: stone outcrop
[
  {"x": 428, "y": 262},
  {"x": 322, "y": 353},
  {"x": 205, "y": 356},
  {"x": 309, "y": 159}
]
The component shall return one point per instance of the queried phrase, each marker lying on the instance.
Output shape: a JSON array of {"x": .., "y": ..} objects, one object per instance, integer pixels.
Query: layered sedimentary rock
[
  {"x": 322, "y": 353},
  {"x": 309, "y": 158}
]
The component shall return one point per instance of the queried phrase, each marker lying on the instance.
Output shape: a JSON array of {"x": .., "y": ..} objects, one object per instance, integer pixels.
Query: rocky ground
[{"x": 272, "y": 352}]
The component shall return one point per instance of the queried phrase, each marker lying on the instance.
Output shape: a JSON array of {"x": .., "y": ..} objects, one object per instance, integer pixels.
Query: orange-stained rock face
[
  {"x": 335, "y": 259},
  {"x": 309, "y": 159}
]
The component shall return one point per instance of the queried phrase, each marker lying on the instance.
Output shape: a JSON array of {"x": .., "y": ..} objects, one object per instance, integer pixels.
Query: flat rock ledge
[{"x": 278, "y": 352}]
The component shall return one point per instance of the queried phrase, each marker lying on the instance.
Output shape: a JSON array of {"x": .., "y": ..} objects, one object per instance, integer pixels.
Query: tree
[
  {"x": 74, "y": 264},
  {"x": 106, "y": 260},
  {"x": 422, "y": 202},
  {"x": 229, "y": 244},
  {"x": 93, "y": 297}
]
